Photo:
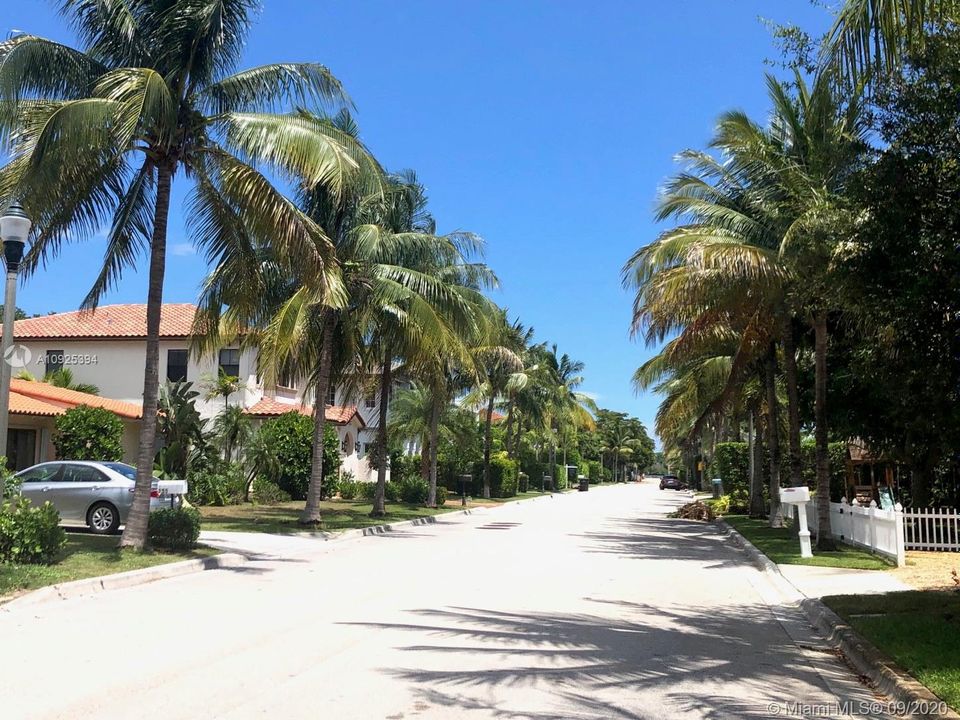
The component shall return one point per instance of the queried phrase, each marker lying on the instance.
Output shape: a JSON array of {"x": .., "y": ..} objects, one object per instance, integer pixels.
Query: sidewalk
[{"x": 816, "y": 582}]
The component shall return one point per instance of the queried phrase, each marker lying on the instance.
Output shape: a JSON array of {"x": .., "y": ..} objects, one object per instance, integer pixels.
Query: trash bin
[
  {"x": 584, "y": 483},
  {"x": 717, "y": 487}
]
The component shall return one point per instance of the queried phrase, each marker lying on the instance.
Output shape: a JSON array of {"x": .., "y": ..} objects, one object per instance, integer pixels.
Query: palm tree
[
  {"x": 223, "y": 386},
  {"x": 234, "y": 429},
  {"x": 97, "y": 137},
  {"x": 870, "y": 38},
  {"x": 500, "y": 370},
  {"x": 570, "y": 409},
  {"x": 63, "y": 378},
  {"x": 425, "y": 298},
  {"x": 765, "y": 223}
]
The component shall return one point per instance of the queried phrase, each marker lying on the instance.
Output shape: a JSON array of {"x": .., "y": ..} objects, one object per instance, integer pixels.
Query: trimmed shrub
[
  {"x": 30, "y": 535},
  {"x": 268, "y": 493},
  {"x": 349, "y": 489},
  {"x": 224, "y": 484},
  {"x": 413, "y": 490},
  {"x": 594, "y": 471},
  {"x": 291, "y": 438},
  {"x": 174, "y": 528},
  {"x": 503, "y": 477},
  {"x": 559, "y": 477},
  {"x": 441, "y": 495},
  {"x": 366, "y": 490},
  {"x": 88, "y": 433}
]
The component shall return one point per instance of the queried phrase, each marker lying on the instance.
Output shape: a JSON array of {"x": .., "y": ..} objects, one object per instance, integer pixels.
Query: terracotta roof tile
[
  {"x": 57, "y": 397},
  {"x": 108, "y": 321},
  {"x": 23, "y": 405},
  {"x": 270, "y": 407}
]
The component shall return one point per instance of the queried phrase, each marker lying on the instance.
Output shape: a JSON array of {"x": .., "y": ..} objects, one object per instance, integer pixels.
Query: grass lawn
[
  {"x": 335, "y": 515},
  {"x": 87, "y": 556},
  {"x": 781, "y": 546},
  {"x": 920, "y": 630}
]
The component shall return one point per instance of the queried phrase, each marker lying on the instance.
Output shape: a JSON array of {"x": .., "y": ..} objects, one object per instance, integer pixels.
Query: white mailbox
[
  {"x": 798, "y": 497},
  {"x": 794, "y": 495}
]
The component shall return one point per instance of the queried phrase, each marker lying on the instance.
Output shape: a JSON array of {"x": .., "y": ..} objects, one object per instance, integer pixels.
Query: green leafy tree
[
  {"x": 88, "y": 433},
  {"x": 290, "y": 437}
]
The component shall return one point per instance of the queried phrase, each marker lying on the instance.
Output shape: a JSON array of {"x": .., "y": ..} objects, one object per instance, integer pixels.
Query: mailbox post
[{"x": 798, "y": 497}]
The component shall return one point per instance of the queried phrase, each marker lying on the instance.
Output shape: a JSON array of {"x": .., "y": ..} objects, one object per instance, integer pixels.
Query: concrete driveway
[{"x": 583, "y": 606}]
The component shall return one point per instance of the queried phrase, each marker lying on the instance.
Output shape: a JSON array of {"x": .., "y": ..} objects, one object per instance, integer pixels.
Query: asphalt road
[{"x": 583, "y": 606}]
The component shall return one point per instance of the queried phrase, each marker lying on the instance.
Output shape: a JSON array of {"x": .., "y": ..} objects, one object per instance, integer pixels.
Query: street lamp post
[{"x": 14, "y": 230}]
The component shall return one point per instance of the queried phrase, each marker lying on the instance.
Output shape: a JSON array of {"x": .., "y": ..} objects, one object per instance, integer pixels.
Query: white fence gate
[
  {"x": 932, "y": 529},
  {"x": 881, "y": 531}
]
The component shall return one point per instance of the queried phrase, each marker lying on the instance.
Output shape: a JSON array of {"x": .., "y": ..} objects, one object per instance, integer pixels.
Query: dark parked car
[{"x": 672, "y": 482}]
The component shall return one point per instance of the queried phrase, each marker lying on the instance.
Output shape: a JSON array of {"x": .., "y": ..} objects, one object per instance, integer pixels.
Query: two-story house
[{"x": 107, "y": 348}]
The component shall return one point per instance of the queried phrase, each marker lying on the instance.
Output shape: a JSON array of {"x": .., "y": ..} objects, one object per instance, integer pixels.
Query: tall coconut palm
[
  {"x": 426, "y": 304},
  {"x": 499, "y": 362},
  {"x": 765, "y": 222},
  {"x": 97, "y": 137},
  {"x": 298, "y": 321}
]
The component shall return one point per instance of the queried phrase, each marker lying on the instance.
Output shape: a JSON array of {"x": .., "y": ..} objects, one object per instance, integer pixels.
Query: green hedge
[
  {"x": 174, "y": 528},
  {"x": 503, "y": 477}
]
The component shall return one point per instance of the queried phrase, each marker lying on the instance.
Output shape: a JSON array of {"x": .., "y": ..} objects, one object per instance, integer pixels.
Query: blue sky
[{"x": 544, "y": 126}]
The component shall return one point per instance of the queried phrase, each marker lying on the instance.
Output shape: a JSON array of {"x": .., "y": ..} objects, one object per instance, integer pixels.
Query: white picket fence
[
  {"x": 881, "y": 531},
  {"x": 932, "y": 529}
]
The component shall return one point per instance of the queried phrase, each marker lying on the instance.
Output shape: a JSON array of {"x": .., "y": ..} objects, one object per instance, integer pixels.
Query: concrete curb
[
  {"x": 132, "y": 578},
  {"x": 883, "y": 673},
  {"x": 386, "y": 528}
]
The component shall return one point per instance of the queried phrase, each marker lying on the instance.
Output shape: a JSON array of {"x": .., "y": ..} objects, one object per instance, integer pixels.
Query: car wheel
[{"x": 103, "y": 519}]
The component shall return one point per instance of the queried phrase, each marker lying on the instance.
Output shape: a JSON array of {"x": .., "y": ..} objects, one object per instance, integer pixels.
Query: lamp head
[{"x": 14, "y": 230}]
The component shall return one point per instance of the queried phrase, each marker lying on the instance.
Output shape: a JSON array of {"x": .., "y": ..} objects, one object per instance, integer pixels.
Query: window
[
  {"x": 43, "y": 473},
  {"x": 332, "y": 396},
  {"x": 53, "y": 361},
  {"x": 230, "y": 362},
  {"x": 82, "y": 474},
  {"x": 285, "y": 378},
  {"x": 176, "y": 365},
  {"x": 21, "y": 448},
  {"x": 370, "y": 401}
]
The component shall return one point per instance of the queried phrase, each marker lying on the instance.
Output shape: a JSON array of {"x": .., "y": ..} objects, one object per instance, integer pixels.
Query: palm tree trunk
[
  {"x": 754, "y": 436},
  {"x": 311, "y": 509},
  {"x": 135, "y": 532},
  {"x": 795, "y": 459},
  {"x": 379, "y": 499},
  {"x": 508, "y": 436},
  {"x": 434, "y": 440},
  {"x": 824, "y": 539},
  {"x": 773, "y": 437},
  {"x": 425, "y": 455},
  {"x": 553, "y": 467},
  {"x": 487, "y": 441}
]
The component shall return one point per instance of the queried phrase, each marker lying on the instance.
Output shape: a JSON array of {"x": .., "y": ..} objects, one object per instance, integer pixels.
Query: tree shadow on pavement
[
  {"x": 652, "y": 538},
  {"x": 637, "y": 661}
]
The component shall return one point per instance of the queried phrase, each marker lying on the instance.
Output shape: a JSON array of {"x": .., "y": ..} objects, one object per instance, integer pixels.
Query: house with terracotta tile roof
[
  {"x": 34, "y": 408},
  {"x": 107, "y": 348}
]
